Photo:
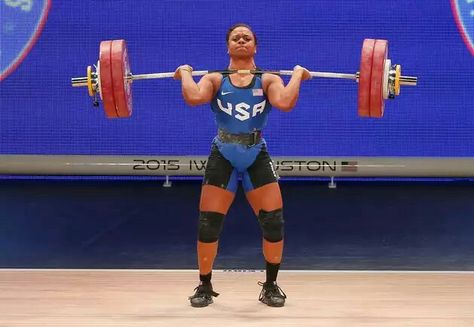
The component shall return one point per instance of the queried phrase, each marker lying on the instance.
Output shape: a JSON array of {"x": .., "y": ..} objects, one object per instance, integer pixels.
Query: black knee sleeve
[
  {"x": 271, "y": 223},
  {"x": 210, "y": 226}
]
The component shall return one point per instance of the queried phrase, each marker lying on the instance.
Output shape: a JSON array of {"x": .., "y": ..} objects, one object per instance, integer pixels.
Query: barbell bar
[
  {"x": 378, "y": 79},
  {"x": 83, "y": 81}
]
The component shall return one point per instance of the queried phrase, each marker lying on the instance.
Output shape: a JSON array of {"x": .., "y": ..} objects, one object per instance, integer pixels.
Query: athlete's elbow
[
  {"x": 192, "y": 101},
  {"x": 286, "y": 102},
  {"x": 286, "y": 106}
]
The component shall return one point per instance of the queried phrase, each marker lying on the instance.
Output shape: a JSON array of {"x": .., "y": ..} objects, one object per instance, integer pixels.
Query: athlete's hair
[{"x": 233, "y": 27}]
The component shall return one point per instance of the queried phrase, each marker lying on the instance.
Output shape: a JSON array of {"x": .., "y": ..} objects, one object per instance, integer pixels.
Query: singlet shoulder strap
[
  {"x": 259, "y": 74},
  {"x": 224, "y": 74}
]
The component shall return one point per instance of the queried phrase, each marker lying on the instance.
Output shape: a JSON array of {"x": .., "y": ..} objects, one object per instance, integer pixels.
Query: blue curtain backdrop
[{"x": 42, "y": 114}]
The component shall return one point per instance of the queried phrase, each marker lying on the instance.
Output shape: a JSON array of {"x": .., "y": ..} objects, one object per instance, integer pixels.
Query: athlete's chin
[{"x": 242, "y": 56}]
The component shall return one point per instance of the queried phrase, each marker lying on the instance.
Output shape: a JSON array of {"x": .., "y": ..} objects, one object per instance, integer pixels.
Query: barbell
[{"x": 111, "y": 80}]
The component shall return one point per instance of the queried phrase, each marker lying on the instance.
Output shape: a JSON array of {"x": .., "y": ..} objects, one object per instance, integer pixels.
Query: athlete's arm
[
  {"x": 281, "y": 96},
  {"x": 196, "y": 93}
]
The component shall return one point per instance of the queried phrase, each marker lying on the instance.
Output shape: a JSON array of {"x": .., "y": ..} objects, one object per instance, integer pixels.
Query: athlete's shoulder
[
  {"x": 271, "y": 77},
  {"x": 215, "y": 79},
  {"x": 268, "y": 79}
]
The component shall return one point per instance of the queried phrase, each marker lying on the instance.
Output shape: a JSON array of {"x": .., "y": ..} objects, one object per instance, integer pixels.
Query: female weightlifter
[{"x": 241, "y": 103}]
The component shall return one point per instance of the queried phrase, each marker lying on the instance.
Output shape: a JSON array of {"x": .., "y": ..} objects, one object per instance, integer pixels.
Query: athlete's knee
[
  {"x": 271, "y": 223},
  {"x": 210, "y": 226}
]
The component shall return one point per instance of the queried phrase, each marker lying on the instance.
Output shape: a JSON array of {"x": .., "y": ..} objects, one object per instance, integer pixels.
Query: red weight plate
[
  {"x": 106, "y": 83},
  {"x": 376, "y": 86},
  {"x": 120, "y": 70},
  {"x": 365, "y": 74}
]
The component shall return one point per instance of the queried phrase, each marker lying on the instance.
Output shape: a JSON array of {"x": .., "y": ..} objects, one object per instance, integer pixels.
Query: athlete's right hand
[{"x": 177, "y": 72}]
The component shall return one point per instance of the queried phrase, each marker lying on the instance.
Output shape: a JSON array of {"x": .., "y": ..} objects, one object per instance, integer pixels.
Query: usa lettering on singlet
[{"x": 241, "y": 109}]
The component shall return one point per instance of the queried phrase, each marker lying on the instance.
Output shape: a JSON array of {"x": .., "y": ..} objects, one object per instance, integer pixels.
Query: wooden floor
[{"x": 159, "y": 298}]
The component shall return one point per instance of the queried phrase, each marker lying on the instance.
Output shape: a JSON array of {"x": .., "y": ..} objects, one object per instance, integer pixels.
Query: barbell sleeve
[{"x": 408, "y": 80}]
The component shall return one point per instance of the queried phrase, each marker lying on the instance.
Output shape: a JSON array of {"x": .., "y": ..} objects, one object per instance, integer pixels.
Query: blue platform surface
[{"x": 140, "y": 224}]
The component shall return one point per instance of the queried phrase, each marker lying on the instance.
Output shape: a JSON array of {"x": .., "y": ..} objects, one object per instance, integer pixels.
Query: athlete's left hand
[{"x": 306, "y": 75}]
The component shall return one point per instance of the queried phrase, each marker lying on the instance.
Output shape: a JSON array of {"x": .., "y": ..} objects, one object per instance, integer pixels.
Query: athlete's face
[{"x": 241, "y": 43}]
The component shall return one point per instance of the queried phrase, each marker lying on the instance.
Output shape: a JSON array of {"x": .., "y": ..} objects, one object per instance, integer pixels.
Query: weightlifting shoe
[
  {"x": 271, "y": 294},
  {"x": 203, "y": 296}
]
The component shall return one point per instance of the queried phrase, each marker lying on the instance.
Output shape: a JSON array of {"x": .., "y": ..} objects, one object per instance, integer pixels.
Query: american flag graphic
[
  {"x": 350, "y": 166},
  {"x": 257, "y": 92}
]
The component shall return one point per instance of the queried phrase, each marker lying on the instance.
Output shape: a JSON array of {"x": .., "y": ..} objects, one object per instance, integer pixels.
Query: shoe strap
[
  {"x": 273, "y": 287},
  {"x": 206, "y": 290}
]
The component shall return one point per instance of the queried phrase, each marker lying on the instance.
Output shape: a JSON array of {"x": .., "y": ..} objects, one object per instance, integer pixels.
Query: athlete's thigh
[
  {"x": 219, "y": 184},
  {"x": 260, "y": 183}
]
